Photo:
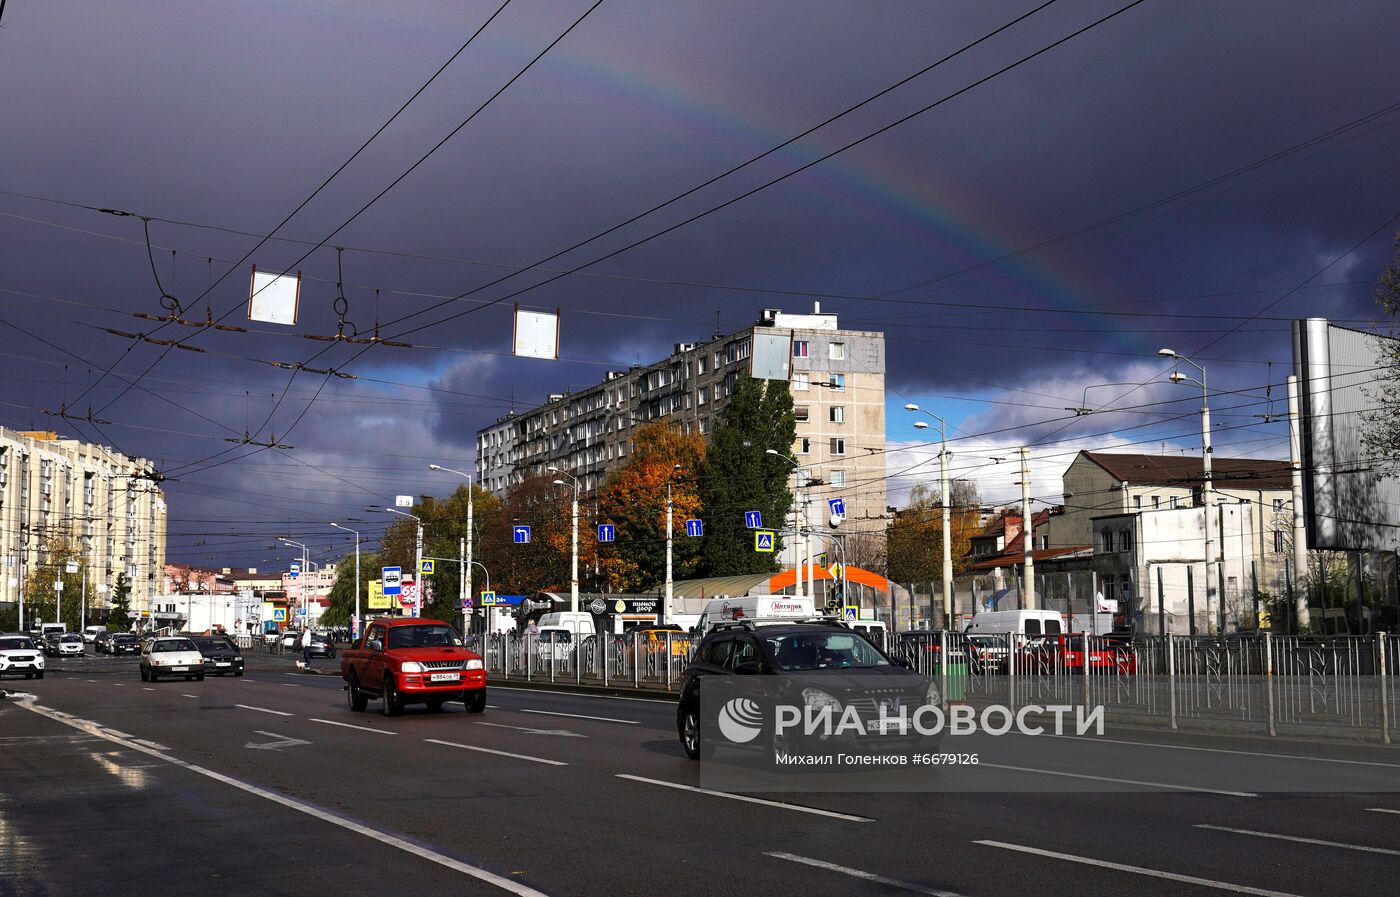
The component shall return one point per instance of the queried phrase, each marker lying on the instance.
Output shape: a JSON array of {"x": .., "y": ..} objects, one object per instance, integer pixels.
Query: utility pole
[
  {"x": 466, "y": 579},
  {"x": 354, "y": 623},
  {"x": 947, "y": 509},
  {"x": 666, "y": 610},
  {"x": 1207, "y": 488},
  {"x": 1300, "y": 532},
  {"x": 462, "y": 594},
  {"x": 1027, "y": 533}
]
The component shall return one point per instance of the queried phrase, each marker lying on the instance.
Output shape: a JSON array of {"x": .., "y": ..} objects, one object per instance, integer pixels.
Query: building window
[
  {"x": 836, "y": 351},
  {"x": 837, "y": 383},
  {"x": 804, "y": 445},
  {"x": 1156, "y": 502},
  {"x": 838, "y": 446},
  {"x": 836, "y": 477},
  {"x": 1137, "y": 502},
  {"x": 838, "y": 414},
  {"x": 1176, "y": 502},
  {"x": 704, "y": 395},
  {"x": 800, "y": 412},
  {"x": 800, "y": 348},
  {"x": 700, "y": 363},
  {"x": 1278, "y": 505},
  {"x": 1107, "y": 541},
  {"x": 1044, "y": 543},
  {"x": 1278, "y": 541},
  {"x": 801, "y": 382},
  {"x": 1125, "y": 540}
]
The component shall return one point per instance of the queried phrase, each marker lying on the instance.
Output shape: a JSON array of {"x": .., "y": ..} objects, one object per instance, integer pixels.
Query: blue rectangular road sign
[
  {"x": 837, "y": 506},
  {"x": 753, "y": 520},
  {"x": 695, "y": 527},
  {"x": 392, "y": 579},
  {"x": 522, "y": 535},
  {"x": 607, "y": 532}
]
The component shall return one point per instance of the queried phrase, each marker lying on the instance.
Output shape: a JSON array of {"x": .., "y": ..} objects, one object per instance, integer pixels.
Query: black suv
[
  {"x": 815, "y": 663},
  {"x": 221, "y": 655}
]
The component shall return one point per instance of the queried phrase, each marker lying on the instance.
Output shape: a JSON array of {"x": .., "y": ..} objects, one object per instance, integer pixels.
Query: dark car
[
  {"x": 124, "y": 643},
  {"x": 221, "y": 655},
  {"x": 102, "y": 641},
  {"x": 815, "y": 664},
  {"x": 321, "y": 645}
]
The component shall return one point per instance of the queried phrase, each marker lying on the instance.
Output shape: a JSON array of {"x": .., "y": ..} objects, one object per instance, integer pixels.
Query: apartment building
[
  {"x": 837, "y": 379},
  {"x": 107, "y": 506}
]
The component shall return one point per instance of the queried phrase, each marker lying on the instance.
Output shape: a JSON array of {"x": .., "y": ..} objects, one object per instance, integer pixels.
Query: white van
[
  {"x": 557, "y": 643},
  {"x": 1021, "y": 622},
  {"x": 579, "y": 623},
  {"x": 874, "y": 630},
  {"x": 758, "y": 608},
  {"x": 46, "y": 629},
  {"x": 91, "y": 633}
]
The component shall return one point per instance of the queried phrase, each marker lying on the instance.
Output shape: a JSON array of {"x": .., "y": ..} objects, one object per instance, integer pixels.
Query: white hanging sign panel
[
  {"x": 273, "y": 297},
  {"x": 536, "y": 334}
]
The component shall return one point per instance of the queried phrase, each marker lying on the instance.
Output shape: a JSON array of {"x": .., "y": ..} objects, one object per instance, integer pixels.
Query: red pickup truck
[{"x": 408, "y": 660}]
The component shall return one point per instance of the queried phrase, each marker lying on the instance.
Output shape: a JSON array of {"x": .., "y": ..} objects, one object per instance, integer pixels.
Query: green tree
[
  {"x": 1381, "y": 425},
  {"x": 342, "y": 593},
  {"x": 915, "y": 536},
  {"x": 739, "y": 475},
  {"x": 119, "y": 617}
]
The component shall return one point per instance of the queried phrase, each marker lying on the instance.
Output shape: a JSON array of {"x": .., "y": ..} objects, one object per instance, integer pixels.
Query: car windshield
[
  {"x": 126, "y": 639},
  {"x": 823, "y": 651},
  {"x": 213, "y": 643},
  {"x": 71, "y": 637},
  {"x": 172, "y": 644},
  {"x": 425, "y": 636},
  {"x": 15, "y": 644},
  {"x": 556, "y": 635}
]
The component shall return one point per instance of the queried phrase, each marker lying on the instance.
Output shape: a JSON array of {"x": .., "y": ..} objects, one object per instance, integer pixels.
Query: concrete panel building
[{"x": 837, "y": 379}]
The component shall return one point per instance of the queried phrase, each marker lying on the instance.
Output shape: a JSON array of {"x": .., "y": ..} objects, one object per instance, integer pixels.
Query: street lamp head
[
  {"x": 910, "y": 406},
  {"x": 772, "y": 452},
  {"x": 560, "y": 483},
  {"x": 921, "y": 425},
  {"x": 552, "y": 469},
  {"x": 1177, "y": 377},
  {"x": 434, "y": 467},
  {"x": 1167, "y": 353}
]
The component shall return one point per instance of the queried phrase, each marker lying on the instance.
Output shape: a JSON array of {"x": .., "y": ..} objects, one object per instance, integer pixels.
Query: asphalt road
[{"x": 269, "y": 784}]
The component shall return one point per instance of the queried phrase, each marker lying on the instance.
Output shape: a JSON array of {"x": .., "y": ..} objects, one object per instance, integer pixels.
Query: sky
[{"x": 1183, "y": 174}]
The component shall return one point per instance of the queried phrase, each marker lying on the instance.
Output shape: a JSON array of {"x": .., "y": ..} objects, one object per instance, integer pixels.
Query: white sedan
[
  {"x": 171, "y": 656},
  {"x": 19, "y": 655}
]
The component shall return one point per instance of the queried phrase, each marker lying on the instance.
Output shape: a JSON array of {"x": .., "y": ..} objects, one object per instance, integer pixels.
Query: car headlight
[
  {"x": 411, "y": 666},
  {"x": 932, "y": 696},
  {"x": 818, "y": 700},
  {"x": 474, "y": 665}
]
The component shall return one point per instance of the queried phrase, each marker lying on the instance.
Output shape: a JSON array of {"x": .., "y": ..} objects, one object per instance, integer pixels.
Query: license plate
[
  {"x": 222, "y": 663},
  {"x": 179, "y": 669},
  {"x": 443, "y": 677}
]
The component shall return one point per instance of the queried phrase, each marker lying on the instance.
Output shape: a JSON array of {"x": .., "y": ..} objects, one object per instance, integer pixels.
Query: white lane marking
[
  {"x": 1187, "y": 747},
  {"x": 183, "y": 695},
  {"x": 247, "y": 679},
  {"x": 602, "y": 719},
  {"x": 290, "y": 684},
  {"x": 1381, "y": 810},
  {"x": 144, "y": 688},
  {"x": 119, "y": 684},
  {"x": 276, "y": 745},
  {"x": 153, "y": 745},
  {"x": 331, "y": 722},
  {"x": 746, "y": 799},
  {"x": 492, "y": 707},
  {"x": 382, "y": 837},
  {"x": 867, "y": 876},
  {"x": 1097, "y": 778},
  {"x": 519, "y": 689},
  {"x": 1318, "y": 841},
  {"x": 563, "y": 732},
  {"x": 89, "y": 680},
  {"x": 472, "y": 747},
  {"x": 1139, "y": 870},
  {"x": 261, "y": 709}
]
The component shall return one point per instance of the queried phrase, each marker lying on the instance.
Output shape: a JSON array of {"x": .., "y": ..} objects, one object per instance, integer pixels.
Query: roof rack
[{"x": 734, "y": 624}]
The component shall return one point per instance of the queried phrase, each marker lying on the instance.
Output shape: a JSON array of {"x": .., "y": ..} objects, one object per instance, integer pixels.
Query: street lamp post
[
  {"x": 1207, "y": 488},
  {"x": 465, "y": 581},
  {"x": 417, "y": 560},
  {"x": 573, "y": 569},
  {"x": 305, "y": 570},
  {"x": 804, "y": 546},
  {"x": 666, "y": 608},
  {"x": 355, "y": 621},
  {"x": 946, "y": 502}
]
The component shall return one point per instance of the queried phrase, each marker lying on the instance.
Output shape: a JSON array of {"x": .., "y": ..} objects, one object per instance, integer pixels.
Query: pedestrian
[{"x": 306, "y": 646}]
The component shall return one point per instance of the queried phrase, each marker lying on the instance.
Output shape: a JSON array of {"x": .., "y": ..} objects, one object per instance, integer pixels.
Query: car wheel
[
  {"x": 695, "y": 747},
  {"x": 39, "y": 675},
  {"x": 476, "y": 701},
  {"x": 393, "y": 704},
  {"x": 435, "y": 705},
  {"x": 200, "y": 677},
  {"x": 152, "y": 674},
  {"x": 239, "y": 673},
  {"x": 353, "y": 695},
  {"x": 28, "y": 675}
]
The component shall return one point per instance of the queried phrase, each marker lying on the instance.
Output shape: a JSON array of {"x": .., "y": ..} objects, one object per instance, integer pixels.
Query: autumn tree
[
  {"x": 41, "y": 595},
  {"x": 1380, "y": 434},
  {"x": 634, "y": 501},
  {"x": 915, "y": 537},
  {"x": 739, "y": 475}
]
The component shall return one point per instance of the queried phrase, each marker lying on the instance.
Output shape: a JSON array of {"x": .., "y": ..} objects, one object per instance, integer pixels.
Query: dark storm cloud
[{"x": 229, "y": 115}]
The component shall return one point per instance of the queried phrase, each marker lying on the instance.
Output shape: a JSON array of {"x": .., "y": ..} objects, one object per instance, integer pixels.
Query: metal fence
[{"x": 1279, "y": 685}]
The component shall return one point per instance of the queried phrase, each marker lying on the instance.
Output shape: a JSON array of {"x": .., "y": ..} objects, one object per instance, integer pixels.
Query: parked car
[
  {"x": 124, "y": 643},
  {"x": 989, "y": 653},
  {"x": 171, "y": 656},
  {"x": 91, "y": 633},
  {"x": 811, "y": 663},
  {"x": 321, "y": 645},
  {"x": 1065, "y": 653},
  {"x": 19, "y": 654},
  {"x": 410, "y": 660},
  {"x": 290, "y": 639},
  {"x": 63, "y": 644},
  {"x": 220, "y": 654}
]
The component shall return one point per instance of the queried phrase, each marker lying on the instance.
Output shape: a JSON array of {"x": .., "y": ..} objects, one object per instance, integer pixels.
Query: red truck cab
[{"x": 409, "y": 660}]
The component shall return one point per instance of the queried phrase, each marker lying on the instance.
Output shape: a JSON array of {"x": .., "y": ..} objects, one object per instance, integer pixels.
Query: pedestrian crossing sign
[
  {"x": 427, "y": 567},
  {"x": 851, "y": 613},
  {"x": 763, "y": 540}
]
